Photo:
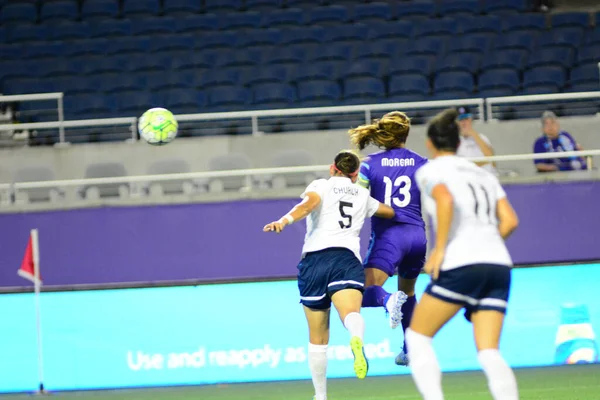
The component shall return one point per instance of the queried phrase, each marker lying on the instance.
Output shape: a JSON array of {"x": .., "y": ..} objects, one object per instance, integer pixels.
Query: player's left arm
[{"x": 302, "y": 210}]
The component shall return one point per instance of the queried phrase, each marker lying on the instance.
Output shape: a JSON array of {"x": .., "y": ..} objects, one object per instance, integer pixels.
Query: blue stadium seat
[
  {"x": 118, "y": 82},
  {"x": 479, "y": 24},
  {"x": 109, "y": 28},
  {"x": 334, "y": 52},
  {"x": 283, "y": 18},
  {"x": 565, "y": 37},
  {"x": 571, "y": 19},
  {"x": 459, "y": 7},
  {"x": 267, "y": 5},
  {"x": 585, "y": 74},
  {"x": 206, "y": 58},
  {"x": 16, "y": 69},
  {"x": 433, "y": 45},
  {"x": 408, "y": 85},
  {"x": 593, "y": 37},
  {"x": 382, "y": 49},
  {"x": 437, "y": 27},
  {"x": 182, "y": 7},
  {"x": 44, "y": 50},
  {"x": 228, "y": 97},
  {"x": 153, "y": 26},
  {"x": 549, "y": 78},
  {"x": 346, "y": 33},
  {"x": 259, "y": 37},
  {"x": 27, "y": 33},
  {"x": 171, "y": 43},
  {"x": 499, "y": 79},
  {"x": 422, "y": 65},
  {"x": 366, "y": 68},
  {"x": 517, "y": 40},
  {"x": 186, "y": 101},
  {"x": 328, "y": 15},
  {"x": 288, "y": 55},
  {"x": 136, "y": 102},
  {"x": 63, "y": 10},
  {"x": 197, "y": 23},
  {"x": 269, "y": 74},
  {"x": 390, "y": 30},
  {"x": 372, "y": 12},
  {"x": 304, "y": 3},
  {"x": 588, "y": 54},
  {"x": 467, "y": 62},
  {"x": 496, "y": 92},
  {"x": 90, "y": 106},
  {"x": 511, "y": 59},
  {"x": 473, "y": 43},
  {"x": 244, "y": 20},
  {"x": 505, "y": 6},
  {"x": 55, "y": 68},
  {"x": 585, "y": 87},
  {"x": 218, "y": 6},
  {"x": 160, "y": 81},
  {"x": 10, "y": 52},
  {"x": 528, "y": 21},
  {"x": 70, "y": 31},
  {"x": 413, "y": 9},
  {"x": 18, "y": 13},
  {"x": 220, "y": 77},
  {"x": 99, "y": 9},
  {"x": 87, "y": 47},
  {"x": 150, "y": 62},
  {"x": 97, "y": 65},
  {"x": 140, "y": 8},
  {"x": 183, "y": 61},
  {"x": 312, "y": 34},
  {"x": 324, "y": 71},
  {"x": 216, "y": 40},
  {"x": 363, "y": 90},
  {"x": 274, "y": 95},
  {"x": 240, "y": 59},
  {"x": 129, "y": 45},
  {"x": 319, "y": 93},
  {"x": 25, "y": 86},
  {"x": 552, "y": 56},
  {"x": 461, "y": 83}
]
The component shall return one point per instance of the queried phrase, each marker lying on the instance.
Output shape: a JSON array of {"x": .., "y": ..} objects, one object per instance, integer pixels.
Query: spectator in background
[
  {"x": 555, "y": 140},
  {"x": 472, "y": 143}
]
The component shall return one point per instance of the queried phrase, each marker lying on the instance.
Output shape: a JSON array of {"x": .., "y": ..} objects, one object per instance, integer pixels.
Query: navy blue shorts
[
  {"x": 476, "y": 287},
  {"x": 324, "y": 272}
]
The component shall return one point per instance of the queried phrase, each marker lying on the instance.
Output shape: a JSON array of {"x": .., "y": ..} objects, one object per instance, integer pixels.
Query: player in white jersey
[
  {"x": 331, "y": 268},
  {"x": 469, "y": 265}
]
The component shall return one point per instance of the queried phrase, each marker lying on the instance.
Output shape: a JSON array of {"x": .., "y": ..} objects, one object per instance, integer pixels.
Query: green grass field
[{"x": 580, "y": 382}]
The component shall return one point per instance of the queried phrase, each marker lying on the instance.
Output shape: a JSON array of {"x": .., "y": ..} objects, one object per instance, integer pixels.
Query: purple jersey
[{"x": 390, "y": 176}]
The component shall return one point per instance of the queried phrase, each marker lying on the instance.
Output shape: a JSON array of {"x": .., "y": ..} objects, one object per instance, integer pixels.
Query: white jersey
[
  {"x": 338, "y": 219},
  {"x": 474, "y": 237},
  {"x": 468, "y": 147}
]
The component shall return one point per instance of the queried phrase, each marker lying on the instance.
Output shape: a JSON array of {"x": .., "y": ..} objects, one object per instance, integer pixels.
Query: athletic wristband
[{"x": 288, "y": 218}]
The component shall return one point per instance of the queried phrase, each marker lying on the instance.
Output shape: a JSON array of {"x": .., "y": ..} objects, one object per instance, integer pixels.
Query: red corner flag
[{"x": 30, "y": 265}]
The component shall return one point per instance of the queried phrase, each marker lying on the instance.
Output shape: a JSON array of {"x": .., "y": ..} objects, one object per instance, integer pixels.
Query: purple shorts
[{"x": 397, "y": 246}]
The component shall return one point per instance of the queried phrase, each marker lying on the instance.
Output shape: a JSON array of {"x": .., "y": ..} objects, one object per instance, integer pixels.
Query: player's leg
[
  {"x": 318, "y": 328},
  {"x": 430, "y": 315}
]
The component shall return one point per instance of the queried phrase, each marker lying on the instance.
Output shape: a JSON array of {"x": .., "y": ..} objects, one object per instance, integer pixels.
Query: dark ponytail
[
  {"x": 443, "y": 131},
  {"x": 347, "y": 163}
]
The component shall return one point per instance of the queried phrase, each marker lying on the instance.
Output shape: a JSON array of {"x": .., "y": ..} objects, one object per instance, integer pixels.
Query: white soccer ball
[{"x": 157, "y": 126}]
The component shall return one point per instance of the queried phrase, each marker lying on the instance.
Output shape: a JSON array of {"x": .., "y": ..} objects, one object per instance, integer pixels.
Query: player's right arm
[
  {"x": 508, "y": 220},
  {"x": 385, "y": 211}
]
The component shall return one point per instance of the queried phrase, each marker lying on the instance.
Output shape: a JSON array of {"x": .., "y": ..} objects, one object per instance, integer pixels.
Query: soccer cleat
[
  {"x": 361, "y": 364},
  {"x": 394, "y": 308},
  {"x": 402, "y": 359}
]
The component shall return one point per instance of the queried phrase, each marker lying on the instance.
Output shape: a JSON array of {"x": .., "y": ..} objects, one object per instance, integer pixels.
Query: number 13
[{"x": 404, "y": 191}]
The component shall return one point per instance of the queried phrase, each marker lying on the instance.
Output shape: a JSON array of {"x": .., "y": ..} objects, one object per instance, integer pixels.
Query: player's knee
[
  {"x": 407, "y": 286},
  {"x": 318, "y": 339}
]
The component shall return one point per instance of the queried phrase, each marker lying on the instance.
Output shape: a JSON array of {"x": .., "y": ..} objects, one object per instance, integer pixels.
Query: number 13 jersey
[
  {"x": 338, "y": 219},
  {"x": 474, "y": 237}
]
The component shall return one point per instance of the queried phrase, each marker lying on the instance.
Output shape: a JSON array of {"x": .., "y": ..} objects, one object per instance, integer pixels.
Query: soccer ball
[{"x": 157, "y": 126}]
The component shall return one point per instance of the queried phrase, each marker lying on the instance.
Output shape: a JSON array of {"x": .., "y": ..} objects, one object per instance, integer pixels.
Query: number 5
[{"x": 344, "y": 225}]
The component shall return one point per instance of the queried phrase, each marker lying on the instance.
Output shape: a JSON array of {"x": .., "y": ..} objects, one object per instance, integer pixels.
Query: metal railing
[{"x": 58, "y": 96}]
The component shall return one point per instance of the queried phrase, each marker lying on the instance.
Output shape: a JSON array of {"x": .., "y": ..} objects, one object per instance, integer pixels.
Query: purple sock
[
  {"x": 375, "y": 296},
  {"x": 407, "y": 312}
]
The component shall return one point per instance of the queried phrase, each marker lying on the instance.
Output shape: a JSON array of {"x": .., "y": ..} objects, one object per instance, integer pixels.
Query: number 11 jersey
[
  {"x": 474, "y": 237},
  {"x": 340, "y": 216}
]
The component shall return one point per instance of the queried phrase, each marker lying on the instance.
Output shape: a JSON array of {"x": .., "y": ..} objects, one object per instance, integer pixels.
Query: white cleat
[
  {"x": 394, "y": 308},
  {"x": 402, "y": 359}
]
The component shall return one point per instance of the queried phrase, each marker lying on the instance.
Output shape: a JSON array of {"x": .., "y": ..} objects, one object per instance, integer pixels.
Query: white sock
[
  {"x": 317, "y": 361},
  {"x": 355, "y": 324},
  {"x": 424, "y": 366},
  {"x": 501, "y": 380}
]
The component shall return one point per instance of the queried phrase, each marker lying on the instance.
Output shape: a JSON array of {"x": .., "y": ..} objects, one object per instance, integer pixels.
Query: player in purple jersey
[{"x": 397, "y": 244}]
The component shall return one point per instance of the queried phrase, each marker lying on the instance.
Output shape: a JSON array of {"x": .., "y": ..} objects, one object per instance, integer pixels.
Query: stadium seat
[
  {"x": 105, "y": 170},
  {"x": 240, "y": 59},
  {"x": 259, "y": 37},
  {"x": 524, "y": 22},
  {"x": 172, "y": 43},
  {"x": 390, "y": 30},
  {"x": 96, "y": 65},
  {"x": 153, "y": 26},
  {"x": 228, "y": 97},
  {"x": 564, "y": 37},
  {"x": 363, "y": 90},
  {"x": 263, "y": 5},
  {"x": 511, "y": 59},
  {"x": 290, "y": 17},
  {"x": 304, "y": 3},
  {"x": 170, "y": 166},
  {"x": 291, "y": 158},
  {"x": 138, "y": 101},
  {"x": 89, "y": 106},
  {"x": 129, "y": 45},
  {"x": 140, "y": 8},
  {"x": 28, "y": 33},
  {"x": 227, "y": 162},
  {"x": 18, "y": 13},
  {"x": 413, "y": 9},
  {"x": 324, "y": 71},
  {"x": 496, "y": 92},
  {"x": 365, "y": 68},
  {"x": 149, "y": 63},
  {"x": 87, "y": 47},
  {"x": 585, "y": 74},
  {"x": 473, "y": 43},
  {"x": 328, "y": 15},
  {"x": 269, "y": 74},
  {"x": 334, "y": 52},
  {"x": 459, "y": 7},
  {"x": 218, "y": 6},
  {"x": 593, "y": 37},
  {"x": 319, "y": 93},
  {"x": 44, "y": 50},
  {"x": 467, "y": 62},
  {"x": 118, "y": 82},
  {"x": 412, "y": 65},
  {"x": 73, "y": 85},
  {"x": 99, "y": 9},
  {"x": 434, "y": 45},
  {"x": 36, "y": 174},
  {"x": 346, "y": 33},
  {"x": 216, "y": 40},
  {"x": 381, "y": 49},
  {"x": 456, "y": 82},
  {"x": 546, "y": 77},
  {"x": 110, "y": 28},
  {"x": 312, "y": 34},
  {"x": 552, "y": 56},
  {"x": 479, "y": 24},
  {"x": 242, "y": 20},
  {"x": 436, "y": 27},
  {"x": 288, "y": 55},
  {"x": 588, "y": 54},
  {"x": 372, "y": 12},
  {"x": 70, "y": 31},
  {"x": 182, "y": 7},
  {"x": 499, "y": 79},
  {"x": 505, "y": 6},
  {"x": 220, "y": 77},
  {"x": 64, "y": 10},
  {"x": 274, "y": 95},
  {"x": 26, "y": 86},
  {"x": 585, "y": 87},
  {"x": 516, "y": 40},
  {"x": 160, "y": 81},
  {"x": 406, "y": 85},
  {"x": 197, "y": 23},
  {"x": 571, "y": 19}
]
